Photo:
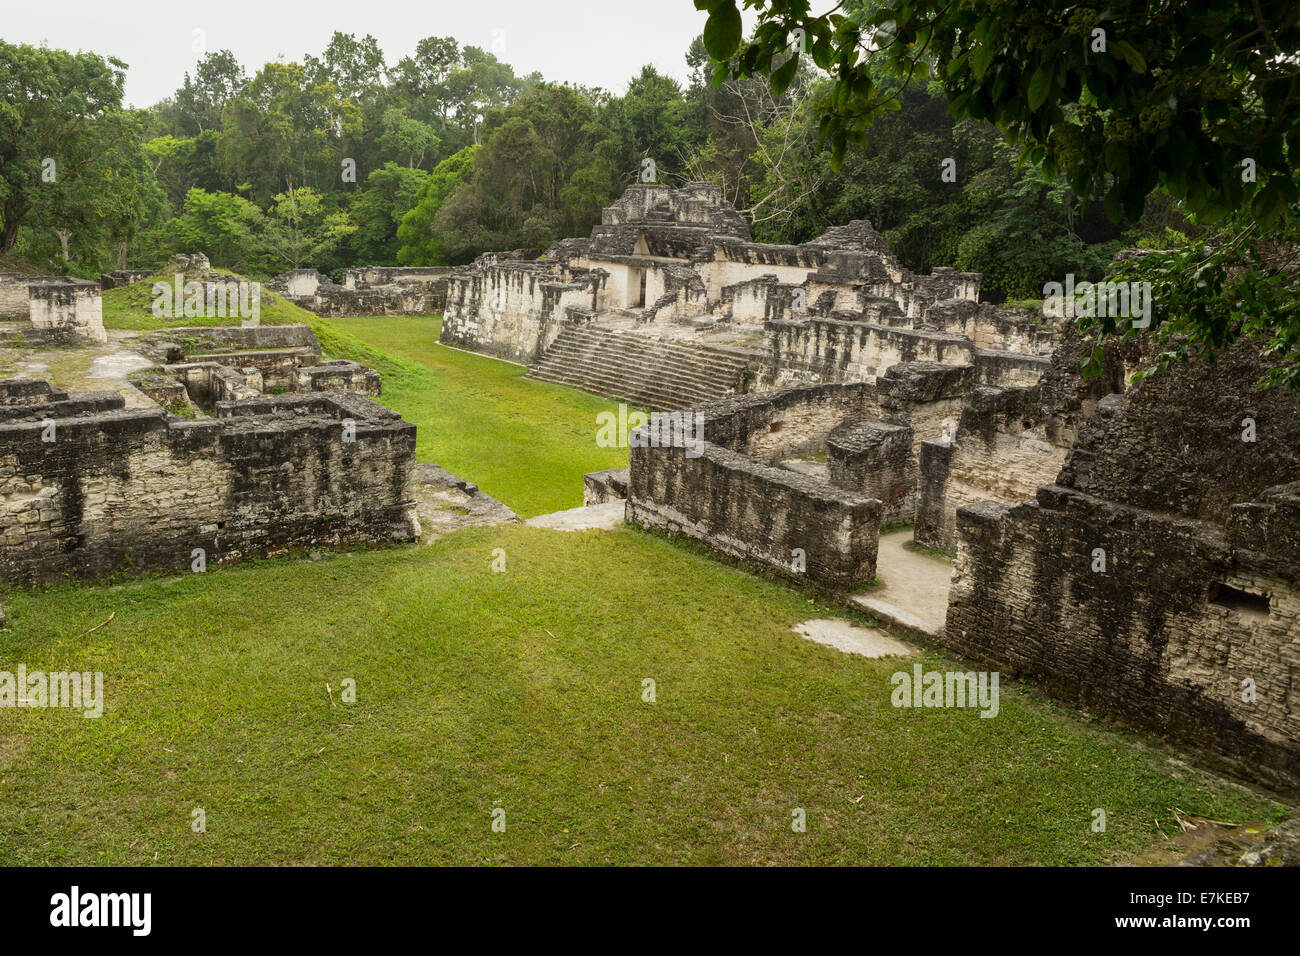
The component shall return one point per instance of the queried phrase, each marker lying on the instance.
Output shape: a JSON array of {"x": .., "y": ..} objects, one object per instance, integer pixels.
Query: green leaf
[
  {"x": 1039, "y": 86},
  {"x": 784, "y": 74},
  {"x": 1129, "y": 53},
  {"x": 981, "y": 59},
  {"x": 723, "y": 30}
]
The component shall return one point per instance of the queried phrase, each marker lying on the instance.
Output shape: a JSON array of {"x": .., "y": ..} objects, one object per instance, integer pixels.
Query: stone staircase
[{"x": 641, "y": 370}]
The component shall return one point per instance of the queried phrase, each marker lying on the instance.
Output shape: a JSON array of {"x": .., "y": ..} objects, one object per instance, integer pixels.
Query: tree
[
  {"x": 67, "y": 148},
  {"x": 303, "y": 228},
  {"x": 229, "y": 229},
  {"x": 218, "y": 78},
  {"x": 390, "y": 194},
  {"x": 422, "y": 78},
  {"x": 419, "y": 244},
  {"x": 1200, "y": 100}
]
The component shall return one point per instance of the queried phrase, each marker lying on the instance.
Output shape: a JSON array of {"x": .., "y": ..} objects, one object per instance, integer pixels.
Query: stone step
[
  {"x": 696, "y": 352},
  {"x": 632, "y": 347},
  {"x": 593, "y": 350},
  {"x": 645, "y": 396},
  {"x": 650, "y": 373},
  {"x": 635, "y": 368}
]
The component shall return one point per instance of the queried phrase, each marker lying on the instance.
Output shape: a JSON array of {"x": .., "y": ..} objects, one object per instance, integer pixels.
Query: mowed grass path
[
  {"x": 523, "y": 691},
  {"x": 526, "y": 443}
]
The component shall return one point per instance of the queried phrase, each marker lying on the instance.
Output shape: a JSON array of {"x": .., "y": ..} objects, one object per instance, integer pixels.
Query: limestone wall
[
  {"x": 1189, "y": 627},
  {"x": 134, "y": 490},
  {"x": 842, "y": 350},
  {"x": 13, "y": 295},
  {"x": 731, "y": 499},
  {"x": 72, "y": 308},
  {"x": 875, "y": 458},
  {"x": 1154, "y": 642},
  {"x": 1002, "y": 452},
  {"x": 756, "y": 513},
  {"x": 514, "y": 310},
  {"x": 371, "y": 290}
]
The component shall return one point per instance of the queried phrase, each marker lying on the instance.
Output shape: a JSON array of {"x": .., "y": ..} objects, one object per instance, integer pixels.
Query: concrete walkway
[
  {"x": 604, "y": 517},
  {"x": 852, "y": 638},
  {"x": 913, "y": 589}
]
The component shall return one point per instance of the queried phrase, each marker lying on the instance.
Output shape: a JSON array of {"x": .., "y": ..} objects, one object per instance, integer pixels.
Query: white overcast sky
[{"x": 592, "y": 42}]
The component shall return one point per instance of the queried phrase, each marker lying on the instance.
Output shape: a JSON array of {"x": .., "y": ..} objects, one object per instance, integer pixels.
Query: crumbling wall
[
  {"x": 370, "y": 290},
  {"x": 138, "y": 490},
  {"x": 842, "y": 349},
  {"x": 1157, "y": 582},
  {"x": 875, "y": 458},
  {"x": 514, "y": 310},
  {"x": 69, "y": 308},
  {"x": 737, "y": 504},
  {"x": 123, "y": 277},
  {"x": 13, "y": 295},
  {"x": 1000, "y": 450}
]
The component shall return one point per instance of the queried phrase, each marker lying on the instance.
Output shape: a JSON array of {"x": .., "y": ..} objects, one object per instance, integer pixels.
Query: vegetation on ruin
[
  {"x": 523, "y": 690},
  {"x": 128, "y": 308}
]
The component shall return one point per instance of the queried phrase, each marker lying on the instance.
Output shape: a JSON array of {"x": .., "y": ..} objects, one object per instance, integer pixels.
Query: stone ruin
[
  {"x": 1136, "y": 549},
  {"x": 252, "y": 444},
  {"x": 371, "y": 290},
  {"x": 669, "y": 302},
  {"x": 57, "y": 310},
  {"x": 198, "y": 367},
  {"x": 1123, "y": 544},
  {"x": 89, "y": 487}
]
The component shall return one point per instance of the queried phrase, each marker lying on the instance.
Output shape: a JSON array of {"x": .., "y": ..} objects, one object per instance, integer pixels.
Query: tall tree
[{"x": 67, "y": 148}]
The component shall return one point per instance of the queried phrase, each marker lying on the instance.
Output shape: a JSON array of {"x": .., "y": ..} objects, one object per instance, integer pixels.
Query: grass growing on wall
[
  {"x": 524, "y": 442},
  {"x": 523, "y": 690},
  {"x": 129, "y": 308}
]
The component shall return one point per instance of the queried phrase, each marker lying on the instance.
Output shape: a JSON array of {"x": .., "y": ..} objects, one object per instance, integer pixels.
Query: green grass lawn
[
  {"x": 524, "y": 442},
  {"x": 523, "y": 690}
]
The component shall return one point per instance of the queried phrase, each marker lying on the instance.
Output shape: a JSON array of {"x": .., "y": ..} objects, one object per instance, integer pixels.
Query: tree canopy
[{"x": 1195, "y": 99}]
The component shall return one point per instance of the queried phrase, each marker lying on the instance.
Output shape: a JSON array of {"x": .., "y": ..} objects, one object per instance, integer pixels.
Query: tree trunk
[{"x": 10, "y": 236}]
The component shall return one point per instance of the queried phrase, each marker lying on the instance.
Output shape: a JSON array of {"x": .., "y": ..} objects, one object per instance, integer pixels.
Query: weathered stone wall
[
  {"x": 123, "y": 277},
  {"x": 875, "y": 458},
  {"x": 756, "y": 513},
  {"x": 846, "y": 350},
  {"x": 173, "y": 345},
  {"x": 371, "y": 290},
  {"x": 1146, "y": 642},
  {"x": 207, "y": 383},
  {"x": 1200, "y": 590},
  {"x": 337, "y": 375},
  {"x": 136, "y": 490},
  {"x": 740, "y": 506},
  {"x": 369, "y": 277},
  {"x": 13, "y": 295},
  {"x": 71, "y": 307},
  {"x": 1002, "y": 452},
  {"x": 599, "y": 487},
  {"x": 514, "y": 310}
]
